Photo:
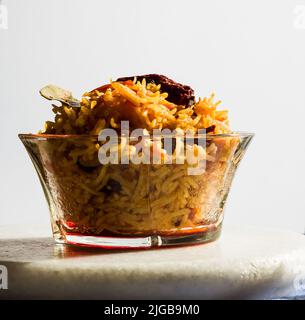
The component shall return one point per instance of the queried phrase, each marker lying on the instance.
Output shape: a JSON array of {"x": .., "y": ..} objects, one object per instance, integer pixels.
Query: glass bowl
[{"x": 133, "y": 205}]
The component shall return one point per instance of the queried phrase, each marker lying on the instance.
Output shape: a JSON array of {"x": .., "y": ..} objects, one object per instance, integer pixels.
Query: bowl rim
[
  {"x": 43, "y": 136},
  {"x": 40, "y": 136}
]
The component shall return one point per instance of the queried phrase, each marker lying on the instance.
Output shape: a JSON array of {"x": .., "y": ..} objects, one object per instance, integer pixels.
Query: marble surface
[{"x": 246, "y": 262}]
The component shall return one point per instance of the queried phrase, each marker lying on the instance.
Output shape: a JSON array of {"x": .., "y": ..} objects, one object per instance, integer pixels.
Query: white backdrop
[{"x": 251, "y": 53}]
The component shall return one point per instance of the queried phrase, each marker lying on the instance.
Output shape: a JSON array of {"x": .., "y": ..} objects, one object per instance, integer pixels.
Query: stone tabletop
[{"x": 246, "y": 262}]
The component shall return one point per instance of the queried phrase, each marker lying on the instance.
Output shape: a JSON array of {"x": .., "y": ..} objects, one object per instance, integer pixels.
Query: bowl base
[{"x": 148, "y": 242}]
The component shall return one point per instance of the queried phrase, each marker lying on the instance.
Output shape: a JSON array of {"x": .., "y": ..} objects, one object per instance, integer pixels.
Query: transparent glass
[{"x": 132, "y": 205}]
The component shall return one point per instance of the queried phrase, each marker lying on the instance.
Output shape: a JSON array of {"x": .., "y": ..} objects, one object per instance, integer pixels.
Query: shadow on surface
[{"x": 39, "y": 249}]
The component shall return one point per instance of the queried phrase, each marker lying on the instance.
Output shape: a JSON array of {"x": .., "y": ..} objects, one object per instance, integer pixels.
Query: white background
[{"x": 249, "y": 52}]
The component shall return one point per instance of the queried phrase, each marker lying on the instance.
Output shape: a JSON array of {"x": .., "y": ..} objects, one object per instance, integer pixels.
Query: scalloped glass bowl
[{"x": 133, "y": 205}]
